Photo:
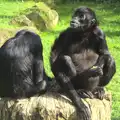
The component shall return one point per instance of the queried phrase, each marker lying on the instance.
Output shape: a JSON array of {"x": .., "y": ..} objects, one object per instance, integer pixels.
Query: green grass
[{"x": 109, "y": 17}]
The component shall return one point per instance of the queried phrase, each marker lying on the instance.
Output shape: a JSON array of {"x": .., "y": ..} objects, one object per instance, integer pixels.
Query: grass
[{"x": 109, "y": 17}]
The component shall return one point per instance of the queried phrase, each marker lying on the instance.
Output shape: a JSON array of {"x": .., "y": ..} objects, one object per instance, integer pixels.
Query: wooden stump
[{"x": 52, "y": 106}]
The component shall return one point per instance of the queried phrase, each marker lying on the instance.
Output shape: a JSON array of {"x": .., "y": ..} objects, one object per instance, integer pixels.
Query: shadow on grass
[
  {"x": 6, "y": 16},
  {"x": 12, "y": 1},
  {"x": 113, "y": 118},
  {"x": 112, "y": 34},
  {"x": 115, "y": 22}
]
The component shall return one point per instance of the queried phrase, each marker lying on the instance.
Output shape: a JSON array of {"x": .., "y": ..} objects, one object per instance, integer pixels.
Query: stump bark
[{"x": 52, "y": 106}]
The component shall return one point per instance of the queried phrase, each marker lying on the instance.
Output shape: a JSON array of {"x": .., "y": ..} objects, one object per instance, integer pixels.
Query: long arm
[
  {"x": 57, "y": 47},
  {"x": 63, "y": 69},
  {"x": 105, "y": 59},
  {"x": 38, "y": 65},
  {"x": 56, "y": 51}
]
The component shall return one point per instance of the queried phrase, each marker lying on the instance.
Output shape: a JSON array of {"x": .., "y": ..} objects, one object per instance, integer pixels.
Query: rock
[
  {"x": 21, "y": 21},
  {"x": 53, "y": 15},
  {"x": 39, "y": 15},
  {"x": 38, "y": 21},
  {"x": 5, "y": 34},
  {"x": 48, "y": 2}
]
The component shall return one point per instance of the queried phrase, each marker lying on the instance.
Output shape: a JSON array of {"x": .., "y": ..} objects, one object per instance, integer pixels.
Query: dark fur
[
  {"x": 21, "y": 66},
  {"x": 80, "y": 59}
]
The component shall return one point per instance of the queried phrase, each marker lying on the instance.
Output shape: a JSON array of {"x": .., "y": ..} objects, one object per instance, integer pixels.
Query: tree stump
[{"x": 52, "y": 106}]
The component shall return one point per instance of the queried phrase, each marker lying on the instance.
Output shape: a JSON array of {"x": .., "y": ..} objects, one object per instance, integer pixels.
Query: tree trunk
[{"x": 52, "y": 106}]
